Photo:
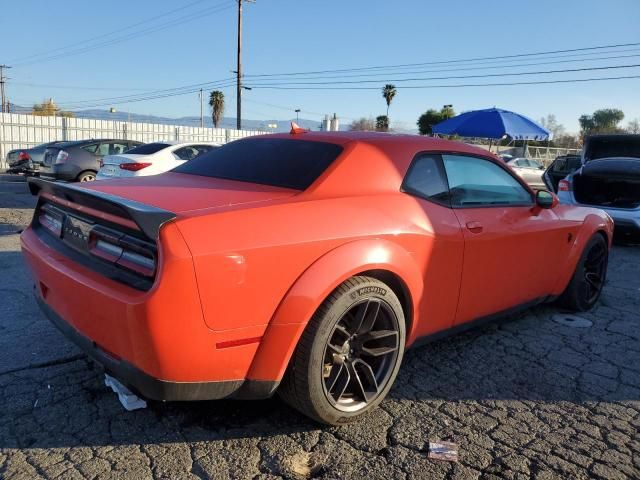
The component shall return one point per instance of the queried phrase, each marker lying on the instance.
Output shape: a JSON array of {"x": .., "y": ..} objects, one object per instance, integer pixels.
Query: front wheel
[
  {"x": 349, "y": 354},
  {"x": 585, "y": 286}
]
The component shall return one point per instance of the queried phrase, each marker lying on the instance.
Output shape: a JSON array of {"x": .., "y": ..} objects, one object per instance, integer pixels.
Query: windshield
[
  {"x": 269, "y": 161},
  {"x": 148, "y": 148}
]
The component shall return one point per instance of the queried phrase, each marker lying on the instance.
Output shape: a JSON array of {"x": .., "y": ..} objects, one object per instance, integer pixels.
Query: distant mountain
[{"x": 227, "y": 122}]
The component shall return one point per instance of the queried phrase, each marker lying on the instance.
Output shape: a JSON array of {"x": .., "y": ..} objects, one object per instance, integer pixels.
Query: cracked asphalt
[{"x": 526, "y": 398}]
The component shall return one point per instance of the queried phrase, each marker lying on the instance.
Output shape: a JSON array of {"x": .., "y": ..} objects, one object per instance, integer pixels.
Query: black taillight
[
  {"x": 52, "y": 219},
  {"x": 123, "y": 250}
]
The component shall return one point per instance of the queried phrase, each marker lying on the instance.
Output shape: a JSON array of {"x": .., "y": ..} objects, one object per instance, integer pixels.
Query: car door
[
  {"x": 430, "y": 209},
  {"x": 513, "y": 249},
  {"x": 559, "y": 169}
]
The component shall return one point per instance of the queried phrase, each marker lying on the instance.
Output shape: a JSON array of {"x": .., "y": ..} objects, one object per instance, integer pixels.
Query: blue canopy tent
[{"x": 493, "y": 123}]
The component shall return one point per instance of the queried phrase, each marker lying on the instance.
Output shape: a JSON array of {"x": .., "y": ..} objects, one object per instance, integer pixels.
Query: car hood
[
  {"x": 182, "y": 193},
  {"x": 619, "y": 168}
]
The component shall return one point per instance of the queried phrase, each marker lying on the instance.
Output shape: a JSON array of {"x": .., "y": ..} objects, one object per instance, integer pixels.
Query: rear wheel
[
  {"x": 87, "y": 176},
  {"x": 349, "y": 354},
  {"x": 585, "y": 286}
]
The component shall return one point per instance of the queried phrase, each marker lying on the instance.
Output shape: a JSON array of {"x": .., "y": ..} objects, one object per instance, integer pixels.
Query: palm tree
[
  {"x": 216, "y": 102},
  {"x": 388, "y": 92}
]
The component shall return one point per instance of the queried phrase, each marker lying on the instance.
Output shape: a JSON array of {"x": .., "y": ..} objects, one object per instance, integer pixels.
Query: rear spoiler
[{"x": 148, "y": 218}]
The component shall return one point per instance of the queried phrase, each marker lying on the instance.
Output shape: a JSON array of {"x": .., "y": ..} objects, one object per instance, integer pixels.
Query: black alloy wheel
[{"x": 360, "y": 354}]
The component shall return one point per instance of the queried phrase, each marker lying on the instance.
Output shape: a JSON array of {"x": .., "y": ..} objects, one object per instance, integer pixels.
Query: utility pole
[
  {"x": 239, "y": 70},
  {"x": 201, "y": 114},
  {"x": 2, "y": 82}
]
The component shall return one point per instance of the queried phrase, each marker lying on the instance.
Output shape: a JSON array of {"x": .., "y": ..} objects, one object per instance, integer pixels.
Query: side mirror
[
  {"x": 541, "y": 167},
  {"x": 546, "y": 199}
]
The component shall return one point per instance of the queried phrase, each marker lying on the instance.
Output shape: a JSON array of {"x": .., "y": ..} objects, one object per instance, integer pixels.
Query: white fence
[
  {"x": 24, "y": 131},
  {"x": 546, "y": 155}
]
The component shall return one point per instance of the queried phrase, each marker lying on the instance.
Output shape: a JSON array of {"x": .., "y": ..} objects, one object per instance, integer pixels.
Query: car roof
[
  {"x": 386, "y": 141},
  {"x": 73, "y": 143}
]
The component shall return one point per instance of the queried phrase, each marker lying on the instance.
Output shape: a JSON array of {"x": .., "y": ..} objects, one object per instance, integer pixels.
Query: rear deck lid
[{"x": 182, "y": 193}]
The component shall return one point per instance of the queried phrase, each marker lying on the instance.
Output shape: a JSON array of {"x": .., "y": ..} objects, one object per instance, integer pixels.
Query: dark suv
[{"x": 80, "y": 161}]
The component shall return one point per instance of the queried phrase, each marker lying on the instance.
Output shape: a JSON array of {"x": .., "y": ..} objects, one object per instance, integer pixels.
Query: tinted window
[
  {"x": 186, "y": 153},
  {"x": 148, "y": 149},
  {"x": 425, "y": 179},
  {"x": 91, "y": 148},
  {"x": 615, "y": 146},
  {"x": 270, "y": 161},
  {"x": 475, "y": 181}
]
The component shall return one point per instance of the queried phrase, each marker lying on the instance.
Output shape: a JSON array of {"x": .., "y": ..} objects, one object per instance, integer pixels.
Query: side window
[
  {"x": 425, "y": 178},
  {"x": 117, "y": 148},
  {"x": 91, "y": 148},
  {"x": 102, "y": 150},
  {"x": 475, "y": 181},
  {"x": 202, "y": 149},
  {"x": 186, "y": 153}
]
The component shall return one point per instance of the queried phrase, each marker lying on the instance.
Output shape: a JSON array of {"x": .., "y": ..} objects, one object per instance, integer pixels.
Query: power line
[
  {"x": 174, "y": 22},
  {"x": 491, "y": 66},
  {"x": 454, "y": 77},
  {"x": 446, "y": 62},
  {"x": 122, "y": 98},
  {"x": 128, "y": 27},
  {"x": 536, "y": 82}
]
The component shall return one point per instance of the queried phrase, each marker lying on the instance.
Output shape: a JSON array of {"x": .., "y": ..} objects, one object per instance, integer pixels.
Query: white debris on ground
[
  {"x": 447, "y": 451},
  {"x": 129, "y": 401}
]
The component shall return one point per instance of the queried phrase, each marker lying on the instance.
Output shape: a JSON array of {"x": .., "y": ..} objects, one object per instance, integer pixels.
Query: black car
[
  {"x": 80, "y": 161},
  {"x": 27, "y": 160},
  {"x": 559, "y": 169}
]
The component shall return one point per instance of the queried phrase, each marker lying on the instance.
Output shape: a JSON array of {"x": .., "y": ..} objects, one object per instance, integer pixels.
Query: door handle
[{"x": 474, "y": 227}]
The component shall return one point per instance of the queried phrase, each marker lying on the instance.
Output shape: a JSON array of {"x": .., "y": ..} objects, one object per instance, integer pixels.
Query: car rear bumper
[
  {"x": 155, "y": 342},
  {"x": 23, "y": 166},
  {"x": 625, "y": 220},
  {"x": 153, "y": 388},
  {"x": 61, "y": 171}
]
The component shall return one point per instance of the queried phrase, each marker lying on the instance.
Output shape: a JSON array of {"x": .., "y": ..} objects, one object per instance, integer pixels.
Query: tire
[
  {"x": 585, "y": 286},
  {"x": 87, "y": 176},
  {"x": 349, "y": 355}
]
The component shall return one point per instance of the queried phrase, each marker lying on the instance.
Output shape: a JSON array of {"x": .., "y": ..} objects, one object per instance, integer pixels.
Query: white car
[
  {"x": 529, "y": 170},
  {"x": 151, "y": 159}
]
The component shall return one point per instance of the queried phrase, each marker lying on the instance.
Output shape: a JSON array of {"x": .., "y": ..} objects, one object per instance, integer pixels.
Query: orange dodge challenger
[{"x": 304, "y": 263}]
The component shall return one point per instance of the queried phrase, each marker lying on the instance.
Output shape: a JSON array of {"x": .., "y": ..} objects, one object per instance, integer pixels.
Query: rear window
[
  {"x": 148, "y": 148},
  {"x": 269, "y": 161}
]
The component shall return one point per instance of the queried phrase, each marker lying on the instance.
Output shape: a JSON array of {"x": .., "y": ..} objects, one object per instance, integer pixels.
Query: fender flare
[
  {"x": 314, "y": 286},
  {"x": 593, "y": 223}
]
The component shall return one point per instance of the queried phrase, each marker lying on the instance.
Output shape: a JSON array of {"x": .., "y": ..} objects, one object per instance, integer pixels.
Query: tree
[
  {"x": 550, "y": 123},
  {"x": 363, "y": 124},
  {"x": 216, "y": 102},
  {"x": 388, "y": 92},
  {"x": 48, "y": 108},
  {"x": 432, "y": 116},
  {"x": 382, "y": 123},
  {"x": 605, "y": 120},
  {"x": 634, "y": 126}
]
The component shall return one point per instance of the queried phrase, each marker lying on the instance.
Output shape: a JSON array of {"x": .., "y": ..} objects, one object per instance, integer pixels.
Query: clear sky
[{"x": 197, "y": 44}]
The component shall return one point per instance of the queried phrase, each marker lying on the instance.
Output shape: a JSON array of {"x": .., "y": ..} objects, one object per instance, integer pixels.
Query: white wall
[{"x": 24, "y": 131}]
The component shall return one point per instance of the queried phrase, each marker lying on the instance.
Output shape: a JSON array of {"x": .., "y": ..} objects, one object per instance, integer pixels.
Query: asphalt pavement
[{"x": 528, "y": 398}]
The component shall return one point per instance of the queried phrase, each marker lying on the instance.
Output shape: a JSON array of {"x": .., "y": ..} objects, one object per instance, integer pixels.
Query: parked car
[
  {"x": 530, "y": 171},
  {"x": 304, "y": 263},
  {"x": 79, "y": 161},
  {"x": 152, "y": 158},
  {"x": 559, "y": 169},
  {"x": 608, "y": 177},
  {"x": 27, "y": 160}
]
